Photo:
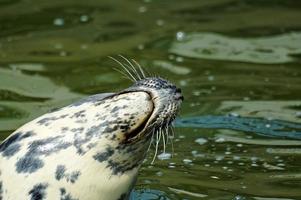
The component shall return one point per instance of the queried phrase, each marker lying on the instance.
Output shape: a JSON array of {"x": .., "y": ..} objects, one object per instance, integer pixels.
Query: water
[{"x": 237, "y": 62}]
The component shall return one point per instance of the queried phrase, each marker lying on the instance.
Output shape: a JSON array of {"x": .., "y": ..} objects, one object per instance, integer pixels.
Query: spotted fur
[{"x": 90, "y": 150}]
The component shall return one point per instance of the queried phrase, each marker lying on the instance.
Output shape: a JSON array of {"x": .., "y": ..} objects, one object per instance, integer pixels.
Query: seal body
[{"x": 88, "y": 150}]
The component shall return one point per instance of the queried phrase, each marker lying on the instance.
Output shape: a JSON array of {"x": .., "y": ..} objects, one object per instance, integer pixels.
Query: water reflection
[
  {"x": 267, "y": 50},
  {"x": 267, "y": 127}
]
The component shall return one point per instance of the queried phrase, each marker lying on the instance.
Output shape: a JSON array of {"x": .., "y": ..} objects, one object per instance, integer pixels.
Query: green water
[{"x": 230, "y": 57}]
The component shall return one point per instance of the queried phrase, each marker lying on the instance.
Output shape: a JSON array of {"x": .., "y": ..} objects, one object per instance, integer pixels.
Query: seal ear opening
[
  {"x": 140, "y": 131},
  {"x": 133, "y": 135}
]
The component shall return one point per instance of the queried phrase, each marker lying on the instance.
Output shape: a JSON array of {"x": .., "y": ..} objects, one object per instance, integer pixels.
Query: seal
[{"x": 89, "y": 150}]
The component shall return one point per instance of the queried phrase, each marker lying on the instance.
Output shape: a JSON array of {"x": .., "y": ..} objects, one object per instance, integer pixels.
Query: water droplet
[
  {"x": 229, "y": 162},
  {"x": 281, "y": 165},
  {"x": 211, "y": 78},
  {"x": 220, "y": 140},
  {"x": 201, "y": 141},
  {"x": 164, "y": 156},
  {"x": 187, "y": 161},
  {"x": 59, "y": 22},
  {"x": 219, "y": 158},
  {"x": 236, "y": 157},
  {"x": 194, "y": 152},
  {"x": 239, "y": 145},
  {"x": 159, "y": 173},
  {"x": 254, "y": 165},
  {"x": 233, "y": 114},
  {"x": 180, "y": 36},
  {"x": 84, "y": 18},
  {"x": 238, "y": 197}
]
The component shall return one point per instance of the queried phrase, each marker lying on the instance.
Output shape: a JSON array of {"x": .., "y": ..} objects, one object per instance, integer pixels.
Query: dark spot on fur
[
  {"x": 1, "y": 190},
  {"x": 65, "y": 196},
  {"x": 63, "y": 116},
  {"x": 29, "y": 164},
  {"x": 113, "y": 137},
  {"x": 73, "y": 176},
  {"x": 47, "y": 120},
  {"x": 96, "y": 130},
  {"x": 77, "y": 130},
  {"x": 79, "y": 114},
  {"x": 121, "y": 167},
  {"x": 124, "y": 127},
  {"x": 64, "y": 129},
  {"x": 11, "y": 146},
  {"x": 115, "y": 109},
  {"x": 110, "y": 129},
  {"x": 100, "y": 157},
  {"x": 37, "y": 146},
  {"x": 60, "y": 172},
  {"x": 38, "y": 192},
  {"x": 11, "y": 150},
  {"x": 63, "y": 191}
]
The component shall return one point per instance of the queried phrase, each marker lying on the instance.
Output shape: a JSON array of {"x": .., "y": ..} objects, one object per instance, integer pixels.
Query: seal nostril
[{"x": 178, "y": 90}]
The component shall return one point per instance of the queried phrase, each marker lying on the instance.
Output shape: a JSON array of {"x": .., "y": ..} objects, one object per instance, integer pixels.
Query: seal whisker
[
  {"x": 122, "y": 65},
  {"x": 140, "y": 68},
  {"x": 124, "y": 74},
  {"x": 157, "y": 145},
  {"x": 164, "y": 144},
  {"x": 131, "y": 66},
  {"x": 151, "y": 142}
]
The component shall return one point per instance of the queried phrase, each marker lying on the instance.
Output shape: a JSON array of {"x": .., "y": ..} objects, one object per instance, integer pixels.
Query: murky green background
[{"x": 237, "y": 62}]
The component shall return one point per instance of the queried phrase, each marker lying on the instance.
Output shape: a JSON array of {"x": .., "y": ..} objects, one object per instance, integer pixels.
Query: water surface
[{"x": 237, "y": 62}]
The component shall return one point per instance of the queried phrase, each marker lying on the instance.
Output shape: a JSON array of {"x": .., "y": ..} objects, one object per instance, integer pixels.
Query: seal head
[{"x": 166, "y": 98}]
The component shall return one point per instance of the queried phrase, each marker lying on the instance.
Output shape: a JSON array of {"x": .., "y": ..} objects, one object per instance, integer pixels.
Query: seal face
[{"x": 88, "y": 150}]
